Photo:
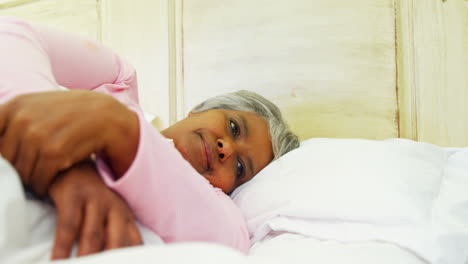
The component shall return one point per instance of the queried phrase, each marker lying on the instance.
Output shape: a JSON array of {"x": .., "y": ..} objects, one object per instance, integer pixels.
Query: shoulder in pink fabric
[{"x": 163, "y": 190}]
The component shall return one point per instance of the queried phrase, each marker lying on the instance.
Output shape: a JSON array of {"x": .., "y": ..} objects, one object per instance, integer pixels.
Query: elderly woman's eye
[
  {"x": 234, "y": 128},
  {"x": 240, "y": 170}
]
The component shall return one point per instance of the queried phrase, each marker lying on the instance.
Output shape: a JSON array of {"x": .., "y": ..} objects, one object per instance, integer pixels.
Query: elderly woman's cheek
[
  {"x": 223, "y": 180},
  {"x": 228, "y": 184}
]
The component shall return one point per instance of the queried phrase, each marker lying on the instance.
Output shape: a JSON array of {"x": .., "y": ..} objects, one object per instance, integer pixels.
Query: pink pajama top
[{"x": 163, "y": 190}]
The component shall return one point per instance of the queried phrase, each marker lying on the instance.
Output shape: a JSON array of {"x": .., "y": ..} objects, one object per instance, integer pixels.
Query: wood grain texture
[
  {"x": 138, "y": 31},
  {"x": 329, "y": 64},
  {"x": 13, "y": 3},
  {"x": 405, "y": 70},
  {"x": 176, "y": 64},
  {"x": 78, "y": 16},
  {"x": 439, "y": 53}
]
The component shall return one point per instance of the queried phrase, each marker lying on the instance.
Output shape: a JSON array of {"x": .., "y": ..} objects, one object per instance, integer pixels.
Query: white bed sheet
[
  {"x": 277, "y": 248},
  {"x": 27, "y": 230}
]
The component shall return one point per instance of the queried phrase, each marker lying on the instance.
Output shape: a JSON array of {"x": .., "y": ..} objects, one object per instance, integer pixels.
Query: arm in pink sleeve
[
  {"x": 176, "y": 202},
  {"x": 36, "y": 58},
  {"x": 164, "y": 191}
]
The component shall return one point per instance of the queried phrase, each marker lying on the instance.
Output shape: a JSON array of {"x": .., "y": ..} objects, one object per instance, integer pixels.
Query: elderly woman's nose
[{"x": 225, "y": 149}]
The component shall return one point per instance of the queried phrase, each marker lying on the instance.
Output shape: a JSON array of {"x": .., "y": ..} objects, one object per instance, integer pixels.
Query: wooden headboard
[
  {"x": 368, "y": 68},
  {"x": 330, "y": 65}
]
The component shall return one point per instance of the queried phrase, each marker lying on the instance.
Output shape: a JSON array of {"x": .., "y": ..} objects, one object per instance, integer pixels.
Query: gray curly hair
[{"x": 282, "y": 139}]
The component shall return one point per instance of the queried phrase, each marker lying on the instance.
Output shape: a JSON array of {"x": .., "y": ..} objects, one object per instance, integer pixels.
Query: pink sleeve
[
  {"x": 35, "y": 58},
  {"x": 176, "y": 202},
  {"x": 165, "y": 192}
]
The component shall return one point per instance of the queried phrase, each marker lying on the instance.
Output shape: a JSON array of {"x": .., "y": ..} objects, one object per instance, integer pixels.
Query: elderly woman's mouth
[{"x": 207, "y": 152}]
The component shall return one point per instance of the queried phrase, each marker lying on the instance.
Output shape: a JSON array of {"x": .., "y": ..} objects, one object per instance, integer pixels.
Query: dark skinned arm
[
  {"x": 90, "y": 213},
  {"x": 45, "y": 133}
]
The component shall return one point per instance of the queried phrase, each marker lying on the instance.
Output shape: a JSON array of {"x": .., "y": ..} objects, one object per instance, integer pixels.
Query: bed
[
  {"x": 340, "y": 70},
  {"x": 329, "y": 201}
]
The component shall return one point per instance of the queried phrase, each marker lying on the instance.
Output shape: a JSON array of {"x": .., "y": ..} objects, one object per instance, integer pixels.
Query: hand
[
  {"x": 44, "y": 133},
  {"x": 91, "y": 213}
]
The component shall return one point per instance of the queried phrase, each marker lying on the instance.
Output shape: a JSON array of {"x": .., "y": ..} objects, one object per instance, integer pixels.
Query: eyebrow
[{"x": 246, "y": 131}]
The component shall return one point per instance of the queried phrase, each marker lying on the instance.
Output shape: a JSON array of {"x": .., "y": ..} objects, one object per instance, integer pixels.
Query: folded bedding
[{"x": 329, "y": 201}]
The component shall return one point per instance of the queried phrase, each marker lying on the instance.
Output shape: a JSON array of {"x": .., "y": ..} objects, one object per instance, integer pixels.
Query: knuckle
[
  {"x": 22, "y": 118},
  {"x": 54, "y": 149},
  {"x": 68, "y": 226},
  {"x": 75, "y": 195},
  {"x": 68, "y": 203},
  {"x": 92, "y": 237},
  {"x": 13, "y": 103},
  {"x": 35, "y": 134}
]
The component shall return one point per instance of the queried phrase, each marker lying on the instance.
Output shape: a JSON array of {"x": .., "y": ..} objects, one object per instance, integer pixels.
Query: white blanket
[{"x": 27, "y": 225}]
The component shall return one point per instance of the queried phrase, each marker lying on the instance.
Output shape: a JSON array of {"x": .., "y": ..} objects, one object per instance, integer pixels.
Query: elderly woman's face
[{"x": 227, "y": 147}]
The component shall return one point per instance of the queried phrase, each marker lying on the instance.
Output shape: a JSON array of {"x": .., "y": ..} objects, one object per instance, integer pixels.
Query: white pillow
[
  {"x": 357, "y": 180},
  {"x": 410, "y": 194}
]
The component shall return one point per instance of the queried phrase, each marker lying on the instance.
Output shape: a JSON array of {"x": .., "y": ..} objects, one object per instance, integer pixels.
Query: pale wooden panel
[
  {"x": 176, "y": 61},
  {"x": 440, "y": 50},
  {"x": 12, "y": 3},
  {"x": 138, "y": 31},
  {"x": 406, "y": 70},
  {"x": 78, "y": 16},
  {"x": 329, "y": 64}
]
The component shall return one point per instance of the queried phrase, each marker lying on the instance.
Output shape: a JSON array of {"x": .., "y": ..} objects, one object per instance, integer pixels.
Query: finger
[
  {"x": 43, "y": 174},
  {"x": 92, "y": 232},
  {"x": 52, "y": 159},
  {"x": 134, "y": 234},
  {"x": 66, "y": 149},
  {"x": 26, "y": 160},
  {"x": 10, "y": 143},
  {"x": 116, "y": 230},
  {"x": 4, "y": 111},
  {"x": 67, "y": 229}
]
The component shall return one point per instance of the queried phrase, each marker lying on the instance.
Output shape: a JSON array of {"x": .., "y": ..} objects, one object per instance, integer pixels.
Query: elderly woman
[{"x": 175, "y": 182}]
